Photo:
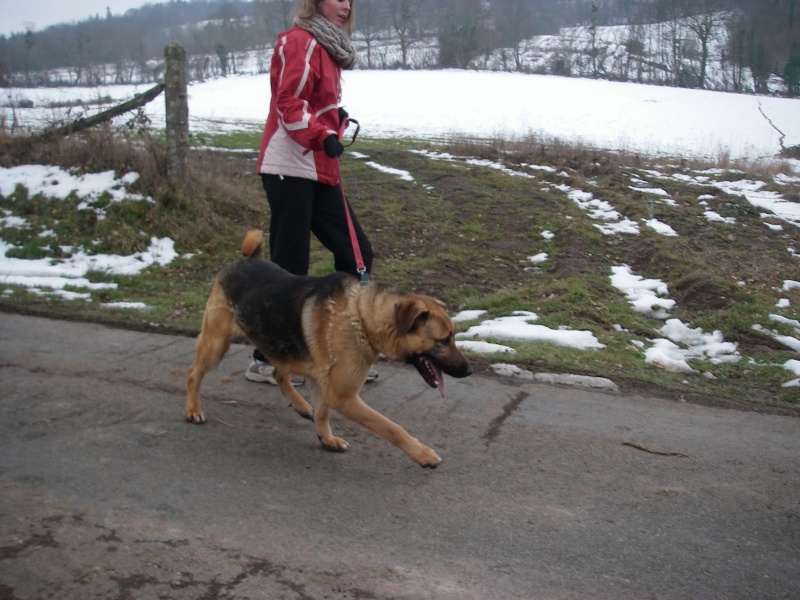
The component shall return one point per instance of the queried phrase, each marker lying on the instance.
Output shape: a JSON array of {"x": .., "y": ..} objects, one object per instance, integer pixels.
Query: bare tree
[
  {"x": 403, "y": 15},
  {"x": 737, "y": 40},
  {"x": 30, "y": 42},
  {"x": 705, "y": 25},
  {"x": 514, "y": 22},
  {"x": 672, "y": 43},
  {"x": 635, "y": 51},
  {"x": 461, "y": 32},
  {"x": 594, "y": 51},
  {"x": 370, "y": 25},
  {"x": 791, "y": 73},
  {"x": 274, "y": 15}
]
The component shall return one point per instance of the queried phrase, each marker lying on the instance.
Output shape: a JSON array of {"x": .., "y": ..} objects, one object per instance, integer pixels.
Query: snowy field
[
  {"x": 655, "y": 121},
  {"x": 651, "y": 120}
]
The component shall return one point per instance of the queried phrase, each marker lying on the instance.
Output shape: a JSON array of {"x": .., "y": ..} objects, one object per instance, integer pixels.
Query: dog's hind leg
[
  {"x": 299, "y": 403},
  {"x": 215, "y": 338}
]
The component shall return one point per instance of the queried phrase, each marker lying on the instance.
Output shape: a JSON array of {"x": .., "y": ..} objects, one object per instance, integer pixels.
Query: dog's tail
[{"x": 253, "y": 245}]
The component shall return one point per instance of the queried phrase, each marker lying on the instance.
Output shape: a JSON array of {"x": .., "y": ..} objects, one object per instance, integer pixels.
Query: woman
[{"x": 300, "y": 148}]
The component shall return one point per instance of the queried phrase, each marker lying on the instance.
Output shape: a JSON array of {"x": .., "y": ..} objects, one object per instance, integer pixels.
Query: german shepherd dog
[{"x": 330, "y": 330}]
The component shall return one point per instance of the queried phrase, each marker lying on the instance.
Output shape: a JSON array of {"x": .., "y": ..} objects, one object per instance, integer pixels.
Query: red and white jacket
[{"x": 303, "y": 110}]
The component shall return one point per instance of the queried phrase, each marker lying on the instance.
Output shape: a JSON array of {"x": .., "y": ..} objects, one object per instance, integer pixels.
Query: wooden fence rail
[{"x": 177, "y": 115}]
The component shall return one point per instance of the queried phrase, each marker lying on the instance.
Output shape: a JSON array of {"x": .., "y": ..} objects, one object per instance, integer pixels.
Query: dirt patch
[
  {"x": 508, "y": 246},
  {"x": 573, "y": 256},
  {"x": 755, "y": 343},
  {"x": 700, "y": 292},
  {"x": 435, "y": 282},
  {"x": 645, "y": 258}
]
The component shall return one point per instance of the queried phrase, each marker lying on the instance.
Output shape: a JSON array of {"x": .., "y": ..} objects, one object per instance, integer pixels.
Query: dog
[{"x": 329, "y": 330}]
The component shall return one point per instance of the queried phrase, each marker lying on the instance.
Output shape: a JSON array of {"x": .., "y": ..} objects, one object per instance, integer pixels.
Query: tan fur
[
  {"x": 253, "y": 244},
  {"x": 345, "y": 333}
]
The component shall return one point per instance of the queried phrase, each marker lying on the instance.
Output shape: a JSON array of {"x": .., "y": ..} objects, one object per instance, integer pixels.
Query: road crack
[{"x": 511, "y": 406}]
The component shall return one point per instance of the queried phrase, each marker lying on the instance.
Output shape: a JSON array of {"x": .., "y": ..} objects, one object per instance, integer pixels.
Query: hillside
[
  {"x": 729, "y": 50},
  {"x": 665, "y": 277}
]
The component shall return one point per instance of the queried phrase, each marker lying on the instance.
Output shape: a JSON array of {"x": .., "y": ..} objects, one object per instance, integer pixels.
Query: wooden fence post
[{"x": 177, "y": 114}]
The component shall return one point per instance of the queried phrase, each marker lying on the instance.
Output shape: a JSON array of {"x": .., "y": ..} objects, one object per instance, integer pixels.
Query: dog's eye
[{"x": 446, "y": 341}]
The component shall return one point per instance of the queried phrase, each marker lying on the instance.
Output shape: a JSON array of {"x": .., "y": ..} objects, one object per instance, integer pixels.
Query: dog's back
[{"x": 268, "y": 301}]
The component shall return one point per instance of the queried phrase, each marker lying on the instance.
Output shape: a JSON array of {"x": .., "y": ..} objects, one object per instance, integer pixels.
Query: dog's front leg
[
  {"x": 322, "y": 423},
  {"x": 357, "y": 410}
]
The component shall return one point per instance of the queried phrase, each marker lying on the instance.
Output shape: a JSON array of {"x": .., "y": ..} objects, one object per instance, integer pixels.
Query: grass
[{"x": 459, "y": 231}]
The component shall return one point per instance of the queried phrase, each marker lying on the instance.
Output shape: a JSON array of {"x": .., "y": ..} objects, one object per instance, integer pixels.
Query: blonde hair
[{"x": 307, "y": 9}]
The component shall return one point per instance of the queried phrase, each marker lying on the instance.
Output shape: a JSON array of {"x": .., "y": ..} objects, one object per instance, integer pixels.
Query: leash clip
[{"x": 364, "y": 277}]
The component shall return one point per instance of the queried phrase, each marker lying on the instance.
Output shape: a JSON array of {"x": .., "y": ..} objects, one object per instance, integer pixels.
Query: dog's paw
[
  {"x": 306, "y": 414},
  {"x": 334, "y": 444},
  {"x": 196, "y": 416},
  {"x": 427, "y": 458},
  {"x": 299, "y": 404}
]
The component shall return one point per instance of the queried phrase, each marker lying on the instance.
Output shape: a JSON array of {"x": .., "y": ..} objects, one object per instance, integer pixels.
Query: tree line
[{"x": 757, "y": 40}]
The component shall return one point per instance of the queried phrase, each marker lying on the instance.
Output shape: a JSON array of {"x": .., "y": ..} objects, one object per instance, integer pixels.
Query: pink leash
[{"x": 353, "y": 238}]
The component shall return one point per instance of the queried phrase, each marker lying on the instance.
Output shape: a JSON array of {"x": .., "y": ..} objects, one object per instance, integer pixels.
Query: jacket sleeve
[{"x": 297, "y": 80}]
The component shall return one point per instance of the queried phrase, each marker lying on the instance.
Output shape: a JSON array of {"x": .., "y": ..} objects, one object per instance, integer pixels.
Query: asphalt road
[{"x": 105, "y": 491}]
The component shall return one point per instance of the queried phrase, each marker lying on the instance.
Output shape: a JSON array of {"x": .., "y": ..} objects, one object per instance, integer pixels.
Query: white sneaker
[{"x": 261, "y": 372}]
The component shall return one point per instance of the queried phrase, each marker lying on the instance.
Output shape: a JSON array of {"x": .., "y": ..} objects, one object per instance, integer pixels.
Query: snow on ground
[
  {"x": 520, "y": 328},
  {"x": 651, "y": 120},
  {"x": 655, "y": 121},
  {"x": 46, "y": 276},
  {"x": 680, "y": 342}
]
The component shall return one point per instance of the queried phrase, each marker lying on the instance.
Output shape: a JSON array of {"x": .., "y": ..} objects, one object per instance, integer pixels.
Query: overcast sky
[{"x": 18, "y": 15}]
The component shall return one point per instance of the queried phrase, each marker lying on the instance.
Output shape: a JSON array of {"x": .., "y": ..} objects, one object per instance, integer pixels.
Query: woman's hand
[{"x": 332, "y": 146}]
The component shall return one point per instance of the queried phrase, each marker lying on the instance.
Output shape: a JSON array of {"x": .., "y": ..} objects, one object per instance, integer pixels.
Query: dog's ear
[{"x": 408, "y": 314}]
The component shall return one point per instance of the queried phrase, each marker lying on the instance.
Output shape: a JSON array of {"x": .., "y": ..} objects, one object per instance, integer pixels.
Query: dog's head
[{"x": 426, "y": 339}]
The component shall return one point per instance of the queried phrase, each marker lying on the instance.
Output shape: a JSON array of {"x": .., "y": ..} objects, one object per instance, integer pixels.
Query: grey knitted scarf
[{"x": 332, "y": 39}]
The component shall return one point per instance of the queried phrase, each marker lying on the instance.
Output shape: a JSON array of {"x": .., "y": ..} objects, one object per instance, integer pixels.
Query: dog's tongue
[
  {"x": 437, "y": 373},
  {"x": 430, "y": 373}
]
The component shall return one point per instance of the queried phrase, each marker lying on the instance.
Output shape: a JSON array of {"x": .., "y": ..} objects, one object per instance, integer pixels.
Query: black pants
[{"x": 300, "y": 207}]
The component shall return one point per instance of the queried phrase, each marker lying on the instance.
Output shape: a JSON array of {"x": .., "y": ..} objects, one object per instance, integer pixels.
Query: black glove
[{"x": 332, "y": 146}]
